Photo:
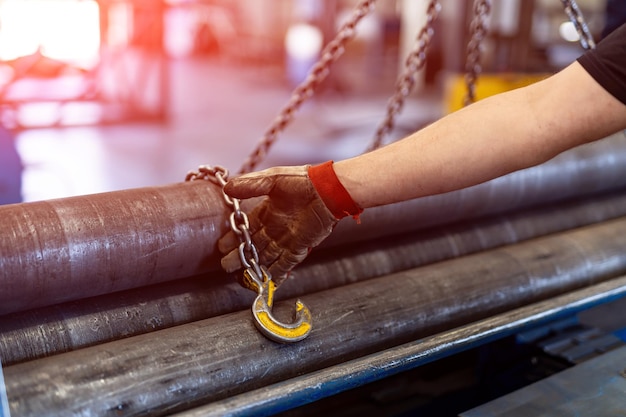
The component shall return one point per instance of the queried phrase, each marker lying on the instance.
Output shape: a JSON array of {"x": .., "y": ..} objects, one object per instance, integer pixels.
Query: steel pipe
[
  {"x": 324, "y": 383},
  {"x": 67, "y": 249},
  {"x": 68, "y": 326},
  {"x": 208, "y": 360}
]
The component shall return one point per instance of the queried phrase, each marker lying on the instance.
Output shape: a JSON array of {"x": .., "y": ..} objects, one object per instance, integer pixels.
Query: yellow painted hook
[{"x": 262, "y": 310}]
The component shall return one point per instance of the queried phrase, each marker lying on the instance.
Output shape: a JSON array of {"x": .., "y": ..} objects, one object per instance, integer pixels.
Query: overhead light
[
  {"x": 568, "y": 31},
  {"x": 303, "y": 41}
]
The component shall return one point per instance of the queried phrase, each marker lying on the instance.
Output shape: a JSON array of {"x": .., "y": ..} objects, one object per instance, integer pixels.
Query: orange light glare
[{"x": 66, "y": 30}]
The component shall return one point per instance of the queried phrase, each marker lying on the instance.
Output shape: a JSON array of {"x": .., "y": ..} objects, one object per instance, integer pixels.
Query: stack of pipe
[{"x": 114, "y": 303}]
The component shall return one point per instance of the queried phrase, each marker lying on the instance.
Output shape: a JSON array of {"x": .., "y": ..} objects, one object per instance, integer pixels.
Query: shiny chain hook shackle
[
  {"x": 333, "y": 50},
  {"x": 576, "y": 17},
  {"x": 255, "y": 276},
  {"x": 414, "y": 62}
]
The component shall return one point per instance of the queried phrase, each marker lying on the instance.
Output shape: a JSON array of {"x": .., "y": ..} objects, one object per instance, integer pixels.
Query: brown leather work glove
[{"x": 303, "y": 206}]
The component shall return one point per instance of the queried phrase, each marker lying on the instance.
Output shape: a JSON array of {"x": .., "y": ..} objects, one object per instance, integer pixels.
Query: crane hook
[{"x": 262, "y": 309}]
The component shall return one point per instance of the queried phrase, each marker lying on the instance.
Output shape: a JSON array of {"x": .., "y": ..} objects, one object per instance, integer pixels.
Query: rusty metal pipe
[
  {"x": 271, "y": 400},
  {"x": 184, "y": 366},
  {"x": 68, "y": 326},
  {"x": 67, "y": 249}
]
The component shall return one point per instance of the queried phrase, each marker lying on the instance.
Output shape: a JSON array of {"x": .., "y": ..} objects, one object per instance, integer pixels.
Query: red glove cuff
[{"x": 332, "y": 192}]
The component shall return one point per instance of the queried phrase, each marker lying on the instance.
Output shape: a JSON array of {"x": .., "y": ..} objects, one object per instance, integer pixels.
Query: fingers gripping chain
[
  {"x": 239, "y": 221},
  {"x": 256, "y": 277}
]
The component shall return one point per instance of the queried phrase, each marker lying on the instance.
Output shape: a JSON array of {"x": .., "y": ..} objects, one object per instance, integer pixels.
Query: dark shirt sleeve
[{"x": 607, "y": 63}]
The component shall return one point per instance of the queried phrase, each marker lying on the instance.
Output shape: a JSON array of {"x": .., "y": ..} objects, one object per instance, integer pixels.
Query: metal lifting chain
[
  {"x": 255, "y": 276},
  {"x": 239, "y": 222},
  {"x": 576, "y": 17},
  {"x": 478, "y": 30},
  {"x": 413, "y": 63},
  {"x": 305, "y": 90}
]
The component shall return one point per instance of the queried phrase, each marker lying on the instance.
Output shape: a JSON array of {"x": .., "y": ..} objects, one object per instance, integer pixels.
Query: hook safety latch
[{"x": 265, "y": 322}]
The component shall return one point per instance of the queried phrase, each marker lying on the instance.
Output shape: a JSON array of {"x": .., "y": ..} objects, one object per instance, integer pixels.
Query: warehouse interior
[{"x": 500, "y": 299}]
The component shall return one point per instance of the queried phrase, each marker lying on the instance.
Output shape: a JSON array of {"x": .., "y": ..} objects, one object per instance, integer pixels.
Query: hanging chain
[
  {"x": 239, "y": 222},
  {"x": 478, "y": 30},
  {"x": 413, "y": 63},
  {"x": 576, "y": 16},
  {"x": 306, "y": 89}
]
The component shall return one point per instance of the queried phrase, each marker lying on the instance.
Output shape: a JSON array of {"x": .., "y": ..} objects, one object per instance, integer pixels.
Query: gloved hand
[{"x": 303, "y": 206}]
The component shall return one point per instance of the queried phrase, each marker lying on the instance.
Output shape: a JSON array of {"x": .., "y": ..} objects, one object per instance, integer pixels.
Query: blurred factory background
[{"x": 115, "y": 94}]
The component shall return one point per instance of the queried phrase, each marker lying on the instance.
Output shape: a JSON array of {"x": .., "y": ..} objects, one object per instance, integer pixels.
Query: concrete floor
[{"x": 218, "y": 113}]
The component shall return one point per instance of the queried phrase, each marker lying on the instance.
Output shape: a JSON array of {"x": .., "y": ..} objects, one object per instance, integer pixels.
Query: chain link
[
  {"x": 478, "y": 30},
  {"x": 414, "y": 62},
  {"x": 239, "y": 222},
  {"x": 306, "y": 89},
  {"x": 576, "y": 17}
]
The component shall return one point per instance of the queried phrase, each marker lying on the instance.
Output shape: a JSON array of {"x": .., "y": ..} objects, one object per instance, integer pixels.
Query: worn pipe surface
[
  {"x": 64, "y": 327},
  {"x": 314, "y": 386},
  {"x": 184, "y": 366},
  {"x": 64, "y": 249},
  {"x": 67, "y": 249}
]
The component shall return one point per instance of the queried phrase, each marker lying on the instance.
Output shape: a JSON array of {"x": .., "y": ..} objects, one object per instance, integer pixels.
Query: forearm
[{"x": 490, "y": 138}]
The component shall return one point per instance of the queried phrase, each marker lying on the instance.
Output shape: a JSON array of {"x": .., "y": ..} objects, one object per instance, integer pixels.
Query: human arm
[{"x": 490, "y": 138}]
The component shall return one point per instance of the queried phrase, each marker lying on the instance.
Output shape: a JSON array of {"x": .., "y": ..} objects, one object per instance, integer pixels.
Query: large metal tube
[
  {"x": 51, "y": 330},
  {"x": 181, "y": 367},
  {"x": 314, "y": 386},
  {"x": 67, "y": 249}
]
